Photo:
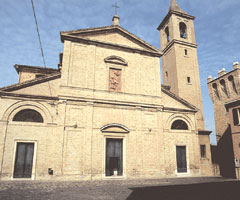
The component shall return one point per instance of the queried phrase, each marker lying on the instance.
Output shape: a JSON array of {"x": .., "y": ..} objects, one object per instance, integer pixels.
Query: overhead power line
[
  {"x": 39, "y": 38},
  {"x": 38, "y": 34}
]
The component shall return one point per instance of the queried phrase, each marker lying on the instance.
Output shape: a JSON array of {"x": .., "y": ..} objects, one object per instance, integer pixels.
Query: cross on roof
[{"x": 116, "y": 7}]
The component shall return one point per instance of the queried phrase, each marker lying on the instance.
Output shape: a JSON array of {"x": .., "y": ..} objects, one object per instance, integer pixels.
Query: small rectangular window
[
  {"x": 186, "y": 53},
  {"x": 236, "y": 115},
  {"x": 203, "y": 151},
  {"x": 166, "y": 74},
  {"x": 188, "y": 79}
]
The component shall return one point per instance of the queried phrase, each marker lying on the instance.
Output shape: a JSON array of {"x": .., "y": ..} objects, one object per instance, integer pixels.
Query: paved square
[{"x": 163, "y": 189}]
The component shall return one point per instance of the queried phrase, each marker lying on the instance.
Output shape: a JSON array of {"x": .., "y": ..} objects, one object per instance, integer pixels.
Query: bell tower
[{"x": 179, "y": 61}]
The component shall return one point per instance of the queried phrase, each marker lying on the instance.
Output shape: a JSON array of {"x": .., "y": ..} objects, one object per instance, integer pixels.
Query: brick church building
[{"x": 103, "y": 114}]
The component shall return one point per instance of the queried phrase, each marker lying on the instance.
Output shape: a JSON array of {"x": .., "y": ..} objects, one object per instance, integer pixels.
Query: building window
[
  {"x": 236, "y": 114},
  {"x": 203, "y": 151},
  {"x": 183, "y": 30},
  {"x": 28, "y": 115},
  {"x": 186, "y": 53},
  {"x": 115, "y": 80},
  {"x": 167, "y": 34},
  {"x": 179, "y": 125},
  {"x": 188, "y": 79}
]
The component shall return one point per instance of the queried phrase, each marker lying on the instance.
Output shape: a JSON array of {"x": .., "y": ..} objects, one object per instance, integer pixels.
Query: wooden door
[
  {"x": 114, "y": 157},
  {"x": 23, "y": 160},
  {"x": 181, "y": 159}
]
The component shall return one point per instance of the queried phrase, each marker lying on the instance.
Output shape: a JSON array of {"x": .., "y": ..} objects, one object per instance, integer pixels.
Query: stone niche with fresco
[
  {"x": 115, "y": 80},
  {"x": 115, "y": 64}
]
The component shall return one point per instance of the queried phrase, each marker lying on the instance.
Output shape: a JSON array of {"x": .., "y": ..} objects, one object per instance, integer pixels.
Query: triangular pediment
[{"x": 112, "y": 35}]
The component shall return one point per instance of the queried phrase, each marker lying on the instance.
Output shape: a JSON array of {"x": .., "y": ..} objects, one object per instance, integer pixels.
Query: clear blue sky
[{"x": 217, "y": 28}]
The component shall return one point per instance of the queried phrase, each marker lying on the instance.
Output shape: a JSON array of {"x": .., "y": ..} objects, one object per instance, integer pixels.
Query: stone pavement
[{"x": 162, "y": 189}]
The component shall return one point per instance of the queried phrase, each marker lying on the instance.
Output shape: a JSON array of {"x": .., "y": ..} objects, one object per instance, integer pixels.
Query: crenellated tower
[
  {"x": 179, "y": 61},
  {"x": 223, "y": 89}
]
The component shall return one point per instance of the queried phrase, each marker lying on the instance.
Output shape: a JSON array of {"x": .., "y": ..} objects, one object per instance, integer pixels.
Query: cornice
[
  {"x": 175, "y": 41},
  {"x": 204, "y": 132},
  {"x": 179, "y": 99},
  {"x": 26, "y": 96},
  {"x": 178, "y": 109},
  {"x": 30, "y": 82},
  {"x": 110, "y": 45},
  {"x": 34, "y": 69},
  {"x": 232, "y": 103},
  {"x": 223, "y": 76},
  {"x": 110, "y": 29}
]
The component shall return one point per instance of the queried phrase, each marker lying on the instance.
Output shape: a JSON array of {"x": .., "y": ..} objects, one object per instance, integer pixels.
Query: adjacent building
[{"x": 225, "y": 94}]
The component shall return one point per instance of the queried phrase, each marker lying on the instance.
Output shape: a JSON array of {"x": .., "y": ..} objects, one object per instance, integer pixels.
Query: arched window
[
  {"x": 179, "y": 125},
  {"x": 215, "y": 88},
  {"x": 224, "y": 87},
  {"x": 231, "y": 79},
  {"x": 167, "y": 33},
  {"x": 28, "y": 115},
  {"x": 183, "y": 30}
]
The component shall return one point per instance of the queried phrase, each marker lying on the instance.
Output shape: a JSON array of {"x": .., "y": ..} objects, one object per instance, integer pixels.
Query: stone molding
[
  {"x": 110, "y": 45},
  {"x": 114, "y": 128},
  {"x": 116, "y": 60},
  {"x": 174, "y": 41},
  {"x": 35, "y": 69},
  {"x": 21, "y": 105},
  {"x": 178, "y": 116},
  {"x": 109, "y": 29},
  {"x": 31, "y": 82}
]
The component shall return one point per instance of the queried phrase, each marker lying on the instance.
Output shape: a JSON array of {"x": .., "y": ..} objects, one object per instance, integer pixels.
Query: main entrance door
[
  {"x": 23, "y": 160},
  {"x": 181, "y": 159},
  {"x": 114, "y": 158}
]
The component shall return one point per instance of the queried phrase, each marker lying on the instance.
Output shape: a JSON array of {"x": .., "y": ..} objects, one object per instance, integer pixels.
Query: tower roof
[{"x": 175, "y": 7}]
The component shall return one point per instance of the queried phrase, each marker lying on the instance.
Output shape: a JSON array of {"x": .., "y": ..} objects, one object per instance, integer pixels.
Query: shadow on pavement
[{"x": 204, "y": 191}]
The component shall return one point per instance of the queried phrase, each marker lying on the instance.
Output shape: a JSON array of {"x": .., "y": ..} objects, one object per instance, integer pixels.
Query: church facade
[{"x": 103, "y": 113}]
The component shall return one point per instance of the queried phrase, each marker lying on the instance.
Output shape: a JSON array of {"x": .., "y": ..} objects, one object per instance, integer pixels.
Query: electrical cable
[{"x": 39, "y": 38}]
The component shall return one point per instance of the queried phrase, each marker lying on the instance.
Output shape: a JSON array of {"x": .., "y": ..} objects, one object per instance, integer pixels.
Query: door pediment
[{"x": 114, "y": 128}]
